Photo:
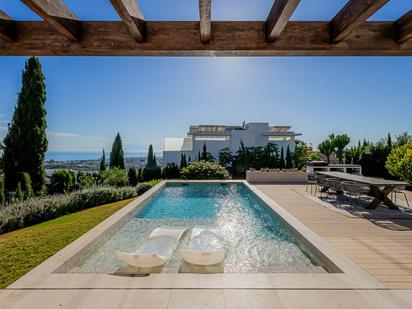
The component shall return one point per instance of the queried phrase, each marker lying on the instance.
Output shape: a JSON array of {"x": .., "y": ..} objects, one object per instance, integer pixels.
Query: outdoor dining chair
[
  {"x": 312, "y": 182},
  {"x": 354, "y": 190},
  {"x": 397, "y": 191}
]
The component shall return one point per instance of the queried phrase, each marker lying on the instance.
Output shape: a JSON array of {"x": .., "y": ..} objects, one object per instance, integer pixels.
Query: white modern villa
[{"x": 217, "y": 137}]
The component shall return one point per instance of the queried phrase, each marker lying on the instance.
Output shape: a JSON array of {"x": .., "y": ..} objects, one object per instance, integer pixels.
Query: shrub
[
  {"x": 151, "y": 172},
  {"x": 61, "y": 181},
  {"x": 36, "y": 210},
  {"x": 114, "y": 177},
  {"x": 399, "y": 162},
  {"x": 204, "y": 170},
  {"x": 145, "y": 186},
  {"x": 171, "y": 171},
  {"x": 86, "y": 180}
]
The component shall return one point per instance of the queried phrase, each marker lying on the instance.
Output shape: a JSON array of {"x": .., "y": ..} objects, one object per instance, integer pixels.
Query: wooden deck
[{"x": 386, "y": 254}]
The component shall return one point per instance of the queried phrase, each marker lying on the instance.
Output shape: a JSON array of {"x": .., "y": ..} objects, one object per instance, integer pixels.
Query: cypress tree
[
  {"x": 117, "y": 155},
  {"x": 19, "y": 192},
  {"x": 289, "y": 162},
  {"x": 132, "y": 176},
  {"x": 2, "y": 195},
  {"x": 151, "y": 160},
  {"x": 183, "y": 162},
  {"x": 103, "y": 162},
  {"x": 282, "y": 159},
  {"x": 26, "y": 141},
  {"x": 27, "y": 187},
  {"x": 389, "y": 141},
  {"x": 204, "y": 153}
]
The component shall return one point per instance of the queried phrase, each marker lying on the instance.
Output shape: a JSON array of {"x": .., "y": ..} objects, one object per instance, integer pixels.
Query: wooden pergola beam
[
  {"x": 7, "y": 28},
  {"x": 130, "y": 13},
  {"x": 58, "y": 15},
  {"x": 205, "y": 12},
  {"x": 404, "y": 27},
  {"x": 239, "y": 38},
  {"x": 351, "y": 16},
  {"x": 278, "y": 18}
]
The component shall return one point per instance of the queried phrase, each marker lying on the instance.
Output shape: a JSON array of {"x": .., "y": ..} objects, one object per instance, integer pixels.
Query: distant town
[{"x": 91, "y": 166}]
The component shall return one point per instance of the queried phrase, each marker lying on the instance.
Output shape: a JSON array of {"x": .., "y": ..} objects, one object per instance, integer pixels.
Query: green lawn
[{"x": 24, "y": 249}]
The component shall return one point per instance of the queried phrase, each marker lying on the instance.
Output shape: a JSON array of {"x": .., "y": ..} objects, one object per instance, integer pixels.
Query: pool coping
[{"x": 347, "y": 275}]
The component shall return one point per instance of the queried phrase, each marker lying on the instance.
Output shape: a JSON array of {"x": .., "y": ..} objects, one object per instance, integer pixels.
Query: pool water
[{"x": 254, "y": 237}]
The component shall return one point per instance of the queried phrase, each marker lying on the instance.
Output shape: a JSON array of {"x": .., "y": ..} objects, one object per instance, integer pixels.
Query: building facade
[{"x": 217, "y": 137}]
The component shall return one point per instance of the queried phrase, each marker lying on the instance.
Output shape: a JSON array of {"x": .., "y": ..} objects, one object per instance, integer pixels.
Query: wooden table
[{"x": 379, "y": 188}]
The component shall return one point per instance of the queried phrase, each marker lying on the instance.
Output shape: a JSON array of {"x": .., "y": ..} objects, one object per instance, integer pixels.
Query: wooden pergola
[{"x": 347, "y": 34}]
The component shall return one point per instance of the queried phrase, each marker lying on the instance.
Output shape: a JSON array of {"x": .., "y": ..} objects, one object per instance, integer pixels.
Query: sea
[{"x": 91, "y": 155}]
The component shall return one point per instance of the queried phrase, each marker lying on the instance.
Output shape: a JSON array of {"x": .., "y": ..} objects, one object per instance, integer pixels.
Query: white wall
[{"x": 254, "y": 136}]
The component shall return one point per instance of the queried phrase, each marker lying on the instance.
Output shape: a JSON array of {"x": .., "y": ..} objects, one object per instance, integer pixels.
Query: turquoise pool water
[{"x": 254, "y": 237}]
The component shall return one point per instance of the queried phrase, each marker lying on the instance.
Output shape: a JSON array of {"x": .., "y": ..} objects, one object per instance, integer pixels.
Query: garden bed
[{"x": 276, "y": 176}]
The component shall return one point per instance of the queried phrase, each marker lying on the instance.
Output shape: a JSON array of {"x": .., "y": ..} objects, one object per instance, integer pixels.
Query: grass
[{"x": 22, "y": 250}]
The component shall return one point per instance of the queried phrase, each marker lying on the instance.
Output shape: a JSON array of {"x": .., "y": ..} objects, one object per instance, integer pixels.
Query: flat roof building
[{"x": 217, "y": 137}]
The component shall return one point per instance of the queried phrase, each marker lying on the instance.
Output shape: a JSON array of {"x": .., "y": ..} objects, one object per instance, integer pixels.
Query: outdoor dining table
[{"x": 379, "y": 188}]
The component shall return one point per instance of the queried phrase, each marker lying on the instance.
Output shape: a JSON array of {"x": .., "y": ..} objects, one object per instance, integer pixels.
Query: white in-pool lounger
[
  {"x": 205, "y": 247},
  {"x": 156, "y": 250}
]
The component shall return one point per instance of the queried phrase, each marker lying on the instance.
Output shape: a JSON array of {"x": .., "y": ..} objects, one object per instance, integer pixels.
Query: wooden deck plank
[{"x": 385, "y": 254}]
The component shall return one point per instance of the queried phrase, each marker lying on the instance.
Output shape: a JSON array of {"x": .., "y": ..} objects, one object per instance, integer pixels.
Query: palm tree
[
  {"x": 326, "y": 148},
  {"x": 339, "y": 143}
]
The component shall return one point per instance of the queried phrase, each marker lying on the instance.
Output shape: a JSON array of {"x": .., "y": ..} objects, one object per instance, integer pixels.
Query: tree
[
  {"x": 151, "y": 159},
  {"x": 225, "y": 157},
  {"x": 103, "y": 162},
  {"x": 61, "y": 181},
  {"x": 289, "y": 161},
  {"x": 339, "y": 143},
  {"x": 151, "y": 170},
  {"x": 26, "y": 141},
  {"x": 2, "y": 195},
  {"x": 399, "y": 162},
  {"x": 326, "y": 148},
  {"x": 206, "y": 156},
  {"x": 403, "y": 139},
  {"x": 27, "y": 187},
  {"x": 183, "y": 162},
  {"x": 171, "y": 171},
  {"x": 19, "y": 192},
  {"x": 115, "y": 176},
  {"x": 117, "y": 155},
  {"x": 389, "y": 141},
  {"x": 132, "y": 176},
  {"x": 242, "y": 161},
  {"x": 282, "y": 159},
  {"x": 300, "y": 156}
]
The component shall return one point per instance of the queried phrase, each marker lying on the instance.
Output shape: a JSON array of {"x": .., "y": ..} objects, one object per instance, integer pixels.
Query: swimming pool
[{"x": 255, "y": 238}]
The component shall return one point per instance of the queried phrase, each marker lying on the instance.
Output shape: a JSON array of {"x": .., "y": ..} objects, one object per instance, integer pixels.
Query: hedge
[{"x": 33, "y": 211}]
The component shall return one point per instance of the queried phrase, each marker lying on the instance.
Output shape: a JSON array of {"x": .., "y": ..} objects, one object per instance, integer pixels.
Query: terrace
[{"x": 353, "y": 261}]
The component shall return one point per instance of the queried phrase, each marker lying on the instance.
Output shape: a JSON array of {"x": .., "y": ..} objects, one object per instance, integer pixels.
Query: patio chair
[
  {"x": 205, "y": 247},
  {"x": 397, "y": 191},
  {"x": 335, "y": 185},
  {"x": 323, "y": 183},
  {"x": 157, "y": 250},
  {"x": 355, "y": 189},
  {"x": 312, "y": 182}
]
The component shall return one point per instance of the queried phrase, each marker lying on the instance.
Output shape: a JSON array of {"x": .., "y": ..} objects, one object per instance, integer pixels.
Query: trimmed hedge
[{"x": 33, "y": 211}]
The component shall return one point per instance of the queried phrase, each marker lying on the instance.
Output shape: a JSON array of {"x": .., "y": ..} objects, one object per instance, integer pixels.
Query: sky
[{"x": 90, "y": 99}]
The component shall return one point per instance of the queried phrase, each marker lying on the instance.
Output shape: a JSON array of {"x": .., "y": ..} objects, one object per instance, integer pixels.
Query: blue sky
[{"x": 147, "y": 99}]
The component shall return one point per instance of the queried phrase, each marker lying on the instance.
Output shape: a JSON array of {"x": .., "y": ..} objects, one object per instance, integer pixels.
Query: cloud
[{"x": 74, "y": 135}]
